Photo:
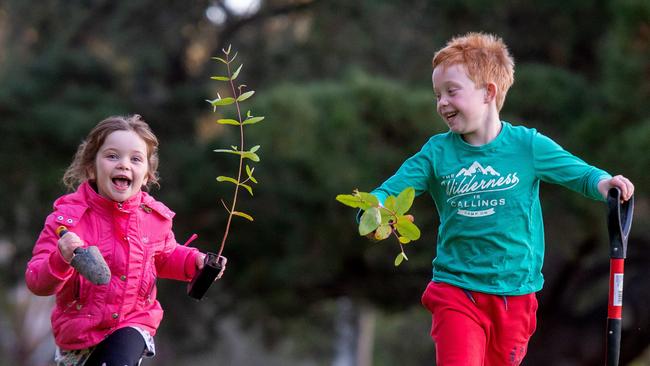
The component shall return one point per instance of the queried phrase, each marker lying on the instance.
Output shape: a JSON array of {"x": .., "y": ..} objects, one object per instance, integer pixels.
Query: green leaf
[
  {"x": 245, "y": 96},
  {"x": 389, "y": 203},
  {"x": 404, "y": 240},
  {"x": 228, "y": 121},
  {"x": 352, "y": 201},
  {"x": 383, "y": 232},
  {"x": 252, "y": 120},
  {"x": 254, "y": 148},
  {"x": 400, "y": 258},
  {"x": 250, "y": 155},
  {"x": 228, "y": 50},
  {"x": 370, "y": 198},
  {"x": 244, "y": 215},
  {"x": 228, "y": 151},
  {"x": 248, "y": 188},
  {"x": 386, "y": 215},
  {"x": 222, "y": 178},
  {"x": 222, "y": 101},
  {"x": 406, "y": 228},
  {"x": 370, "y": 220},
  {"x": 236, "y": 73},
  {"x": 249, "y": 172},
  {"x": 245, "y": 154},
  {"x": 220, "y": 60},
  {"x": 234, "y": 57},
  {"x": 404, "y": 200},
  {"x": 220, "y": 78}
]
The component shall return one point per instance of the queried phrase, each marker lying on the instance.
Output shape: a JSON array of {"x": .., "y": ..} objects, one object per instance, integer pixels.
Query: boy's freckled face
[
  {"x": 459, "y": 102},
  {"x": 121, "y": 166}
]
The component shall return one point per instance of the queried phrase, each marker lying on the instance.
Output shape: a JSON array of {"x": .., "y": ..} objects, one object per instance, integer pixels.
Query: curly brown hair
[{"x": 83, "y": 166}]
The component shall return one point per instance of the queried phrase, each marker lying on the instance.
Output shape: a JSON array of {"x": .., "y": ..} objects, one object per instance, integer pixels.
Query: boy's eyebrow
[{"x": 444, "y": 84}]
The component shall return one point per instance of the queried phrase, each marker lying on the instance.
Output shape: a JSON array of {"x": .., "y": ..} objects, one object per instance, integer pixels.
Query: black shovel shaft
[
  {"x": 619, "y": 223},
  {"x": 613, "y": 341}
]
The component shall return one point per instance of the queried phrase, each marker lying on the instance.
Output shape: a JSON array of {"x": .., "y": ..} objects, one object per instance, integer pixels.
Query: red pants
[{"x": 476, "y": 329}]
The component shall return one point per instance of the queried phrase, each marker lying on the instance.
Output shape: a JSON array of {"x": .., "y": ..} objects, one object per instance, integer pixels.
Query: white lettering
[
  {"x": 482, "y": 213},
  {"x": 455, "y": 188}
]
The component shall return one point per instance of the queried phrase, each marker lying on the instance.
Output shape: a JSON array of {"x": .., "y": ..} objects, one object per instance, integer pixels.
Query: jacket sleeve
[
  {"x": 555, "y": 165},
  {"x": 47, "y": 271},
  {"x": 176, "y": 262}
]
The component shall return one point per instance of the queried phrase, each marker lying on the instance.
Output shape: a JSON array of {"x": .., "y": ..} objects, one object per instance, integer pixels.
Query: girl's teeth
[{"x": 121, "y": 183}]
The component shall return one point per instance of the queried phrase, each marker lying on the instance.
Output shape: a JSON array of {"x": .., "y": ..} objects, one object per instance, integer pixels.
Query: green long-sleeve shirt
[{"x": 491, "y": 233}]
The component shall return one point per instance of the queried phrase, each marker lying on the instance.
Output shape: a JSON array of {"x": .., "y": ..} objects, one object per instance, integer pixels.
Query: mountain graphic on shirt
[{"x": 475, "y": 168}]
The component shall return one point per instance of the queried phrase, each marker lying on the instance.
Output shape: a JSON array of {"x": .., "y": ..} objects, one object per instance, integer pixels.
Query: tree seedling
[
  {"x": 378, "y": 222},
  {"x": 244, "y": 177}
]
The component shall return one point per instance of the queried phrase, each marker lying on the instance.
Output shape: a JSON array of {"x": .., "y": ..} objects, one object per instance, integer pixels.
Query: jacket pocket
[
  {"x": 75, "y": 304},
  {"x": 73, "y": 329},
  {"x": 146, "y": 291}
]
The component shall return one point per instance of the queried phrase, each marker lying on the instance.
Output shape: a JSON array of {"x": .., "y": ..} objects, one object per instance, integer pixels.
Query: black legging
[{"x": 124, "y": 347}]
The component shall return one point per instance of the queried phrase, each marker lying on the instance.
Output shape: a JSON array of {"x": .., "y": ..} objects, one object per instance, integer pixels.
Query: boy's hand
[
  {"x": 623, "y": 184},
  {"x": 200, "y": 262},
  {"x": 67, "y": 244}
]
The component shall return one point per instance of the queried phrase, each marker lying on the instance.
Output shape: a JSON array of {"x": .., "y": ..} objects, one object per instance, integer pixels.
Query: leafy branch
[
  {"x": 382, "y": 221},
  {"x": 238, "y": 96}
]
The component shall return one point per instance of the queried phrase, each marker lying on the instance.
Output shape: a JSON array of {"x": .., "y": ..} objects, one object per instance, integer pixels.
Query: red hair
[{"x": 486, "y": 60}]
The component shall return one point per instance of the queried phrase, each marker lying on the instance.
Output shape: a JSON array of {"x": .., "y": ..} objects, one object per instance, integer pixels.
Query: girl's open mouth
[{"x": 121, "y": 183}]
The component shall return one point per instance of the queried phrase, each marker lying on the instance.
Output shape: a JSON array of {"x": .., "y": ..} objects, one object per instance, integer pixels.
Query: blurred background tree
[{"x": 345, "y": 88}]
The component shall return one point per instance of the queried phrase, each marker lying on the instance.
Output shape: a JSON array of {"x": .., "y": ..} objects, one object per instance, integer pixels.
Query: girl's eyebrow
[{"x": 114, "y": 149}]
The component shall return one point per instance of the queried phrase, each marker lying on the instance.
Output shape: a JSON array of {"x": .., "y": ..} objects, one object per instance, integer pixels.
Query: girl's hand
[
  {"x": 620, "y": 182},
  {"x": 222, "y": 261},
  {"x": 200, "y": 262},
  {"x": 67, "y": 244}
]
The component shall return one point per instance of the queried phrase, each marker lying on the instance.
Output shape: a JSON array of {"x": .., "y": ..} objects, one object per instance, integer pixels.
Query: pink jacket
[{"x": 137, "y": 242}]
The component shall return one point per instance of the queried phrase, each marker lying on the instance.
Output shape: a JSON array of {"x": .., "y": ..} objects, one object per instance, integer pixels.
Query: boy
[{"x": 484, "y": 177}]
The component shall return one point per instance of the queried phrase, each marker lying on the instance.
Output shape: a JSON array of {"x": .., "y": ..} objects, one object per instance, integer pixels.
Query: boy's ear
[{"x": 490, "y": 92}]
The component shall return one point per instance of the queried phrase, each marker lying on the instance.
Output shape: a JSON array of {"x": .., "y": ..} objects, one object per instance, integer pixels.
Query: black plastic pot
[{"x": 205, "y": 277}]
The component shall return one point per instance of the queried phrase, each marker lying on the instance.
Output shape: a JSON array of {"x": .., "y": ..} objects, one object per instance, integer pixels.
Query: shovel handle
[
  {"x": 61, "y": 230},
  {"x": 619, "y": 222}
]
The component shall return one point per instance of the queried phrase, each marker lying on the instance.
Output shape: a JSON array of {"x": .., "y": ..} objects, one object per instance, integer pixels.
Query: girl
[{"x": 111, "y": 324}]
